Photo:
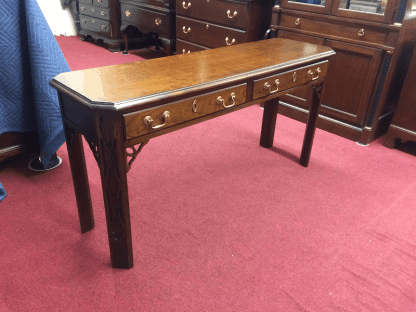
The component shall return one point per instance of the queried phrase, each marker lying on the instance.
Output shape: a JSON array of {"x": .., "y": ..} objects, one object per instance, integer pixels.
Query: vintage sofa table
[{"x": 119, "y": 108}]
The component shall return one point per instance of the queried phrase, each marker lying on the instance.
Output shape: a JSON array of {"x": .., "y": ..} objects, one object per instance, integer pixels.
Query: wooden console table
[{"x": 119, "y": 108}]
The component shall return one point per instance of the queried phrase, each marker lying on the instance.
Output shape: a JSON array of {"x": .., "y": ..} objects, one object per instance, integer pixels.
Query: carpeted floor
[{"x": 218, "y": 223}]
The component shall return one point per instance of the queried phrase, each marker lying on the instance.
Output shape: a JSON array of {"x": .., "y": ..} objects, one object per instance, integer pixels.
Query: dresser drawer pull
[
  {"x": 310, "y": 73},
  {"x": 158, "y": 21},
  {"x": 83, "y": 8},
  {"x": 127, "y": 13},
  {"x": 194, "y": 105},
  {"x": 103, "y": 27},
  {"x": 149, "y": 120},
  {"x": 297, "y": 22},
  {"x": 100, "y": 1},
  {"x": 103, "y": 13},
  {"x": 268, "y": 87},
  {"x": 228, "y": 43},
  {"x": 231, "y": 16},
  {"x": 294, "y": 77},
  {"x": 186, "y": 31},
  {"x": 221, "y": 101},
  {"x": 184, "y": 51},
  {"x": 186, "y": 7},
  {"x": 361, "y": 32}
]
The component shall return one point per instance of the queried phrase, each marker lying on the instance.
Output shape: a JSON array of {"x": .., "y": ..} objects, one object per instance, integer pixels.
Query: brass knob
[
  {"x": 297, "y": 22},
  {"x": 207, "y": 27},
  {"x": 361, "y": 32},
  {"x": 127, "y": 13},
  {"x": 158, "y": 21},
  {"x": 231, "y": 16}
]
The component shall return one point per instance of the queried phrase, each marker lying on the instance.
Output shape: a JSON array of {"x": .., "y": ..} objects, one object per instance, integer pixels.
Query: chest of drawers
[
  {"x": 152, "y": 19},
  {"x": 100, "y": 19},
  {"x": 205, "y": 24}
]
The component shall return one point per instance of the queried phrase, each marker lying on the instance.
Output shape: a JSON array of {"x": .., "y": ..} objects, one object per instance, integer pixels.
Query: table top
[{"x": 137, "y": 83}]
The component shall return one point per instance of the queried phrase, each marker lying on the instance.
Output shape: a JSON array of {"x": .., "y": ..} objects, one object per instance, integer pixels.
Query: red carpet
[{"x": 219, "y": 224}]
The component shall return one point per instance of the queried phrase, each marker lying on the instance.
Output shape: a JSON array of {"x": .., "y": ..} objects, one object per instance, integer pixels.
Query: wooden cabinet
[
  {"x": 403, "y": 126},
  {"x": 153, "y": 20},
  {"x": 206, "y": 24},
  {"x": 372, "y": 39},
  {"x": 100, "y": 19}
]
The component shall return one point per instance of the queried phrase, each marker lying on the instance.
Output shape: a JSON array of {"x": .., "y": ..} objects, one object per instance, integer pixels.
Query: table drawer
[
  {"x": 360, "y": 32},
  {"x": 95, "y": 24},
  {"x": 99, "y": 12},
  {"x": 154, "y": 119},
  {"x": 283, "y": 81},
  {"x": 183, "y": 47},
  {"x": 229, "y": 13},
  {"x": 207, "y": 34},
  {"x": 147, "y": 20}
]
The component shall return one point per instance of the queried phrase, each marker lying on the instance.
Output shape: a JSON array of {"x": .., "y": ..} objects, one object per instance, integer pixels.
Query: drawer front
[
  {"x": 167, "y": 4},
  {"x": 183, "y": 47},
  {"x": 360, "y": 32},
  {"x": 154, "y": 119},
  {"x": 207, "y": 34},
  {"x": 228, "y": 13},
  {"x": 283, "y": 81},
  {"x": 147, "y": 20},
  {"x": 95, "y": 24},
  {"x": 101, "y": 3},
  {"x": 99, "y": 12}
]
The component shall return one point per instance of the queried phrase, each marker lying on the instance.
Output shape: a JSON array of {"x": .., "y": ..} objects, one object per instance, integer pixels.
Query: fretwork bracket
[{"x": 133, "y": 154}]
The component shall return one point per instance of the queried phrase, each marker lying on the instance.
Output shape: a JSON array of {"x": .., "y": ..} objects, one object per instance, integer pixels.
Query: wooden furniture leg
[
  {"x": 311, "y": 125},
  {"x": 113, "y": 169},
  {"x": 79, "y": 178},
  {"x": 269, "y": 123}
]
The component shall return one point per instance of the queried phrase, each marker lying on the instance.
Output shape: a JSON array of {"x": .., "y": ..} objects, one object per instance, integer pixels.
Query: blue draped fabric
[{"x": 30, "y": 57}]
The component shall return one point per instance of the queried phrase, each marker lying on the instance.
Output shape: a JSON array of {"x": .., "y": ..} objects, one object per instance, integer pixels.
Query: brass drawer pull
[
  {"x": 158, "y": 21},
  {"x": 103, "y": 27},
  {"x": 103, "y": 13},
  {"x": 127, "y": 13},
  {"x": 231, "y": 16},
  {"x": 184, "y": 51},
  {"x": 297, "y": 22},
  {"x": 268, "y": 87},
  {"x": 361, "y": 32},
  {"x": 221, "y": 101},
  {"x": 83, "y": 8},
  {"x": 100, "y": 1},
  {"x": 186, "y": 7},
  {"x": 294, "y": 77},
  {"x": 149, "y": 120},
  {"x": 310, "y": 73},
  {"x": 228, "y": 43},
  {"x": 186, "y": 31}
]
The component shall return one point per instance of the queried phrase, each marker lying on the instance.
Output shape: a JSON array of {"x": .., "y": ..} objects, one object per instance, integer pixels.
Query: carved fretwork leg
[
  {"x": 133, "y": 154},
  {"x": 311, "y": 125},
  {"x": 269, "y": 123},
  {"x": 79, "y": 178},
  {"x": 114, "y": 182}
]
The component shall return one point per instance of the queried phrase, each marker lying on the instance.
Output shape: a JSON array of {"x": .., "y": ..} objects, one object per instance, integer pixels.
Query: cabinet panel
[
  {"x": 350, "y": 81},
  {"x": 315, "y": 6},
  {"x": 371, "y": 10}
]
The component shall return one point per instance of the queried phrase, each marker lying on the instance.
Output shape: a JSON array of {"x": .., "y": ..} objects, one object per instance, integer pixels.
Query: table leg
[
  {"x": 113, "y": 169},
  {"x": 269, "y": 123},
  {"x": 311, "y": 125},
  {"x": 79, "y": 178}
]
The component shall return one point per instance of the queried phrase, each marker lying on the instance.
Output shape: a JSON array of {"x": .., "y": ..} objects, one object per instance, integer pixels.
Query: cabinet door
[
  {"x": 371, "y": 10},
  {"x": 316, "y": 6},
  {"x": 350, "y": 81}
]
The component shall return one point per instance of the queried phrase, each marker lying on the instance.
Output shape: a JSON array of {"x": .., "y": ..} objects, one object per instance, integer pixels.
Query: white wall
[{"x": 59, "y": 19}]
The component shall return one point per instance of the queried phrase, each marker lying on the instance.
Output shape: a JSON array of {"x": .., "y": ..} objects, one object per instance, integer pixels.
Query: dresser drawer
[
  {"x": 95, "y": 24},
  {"x": 360, "y": 32},
  {"x": 183, "y": 47},
  {"x": 154, "y": 119},
  {"x": 101, "y": 3},
  {"x": 167, "y": 4},
  {"x": 227, "y": 13},
  {"x": 283, "y": 81},
  {"x": 99, "y": 12},
  {"x": 147, "y": 20},
  {"x": 207, "y": 34}
]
